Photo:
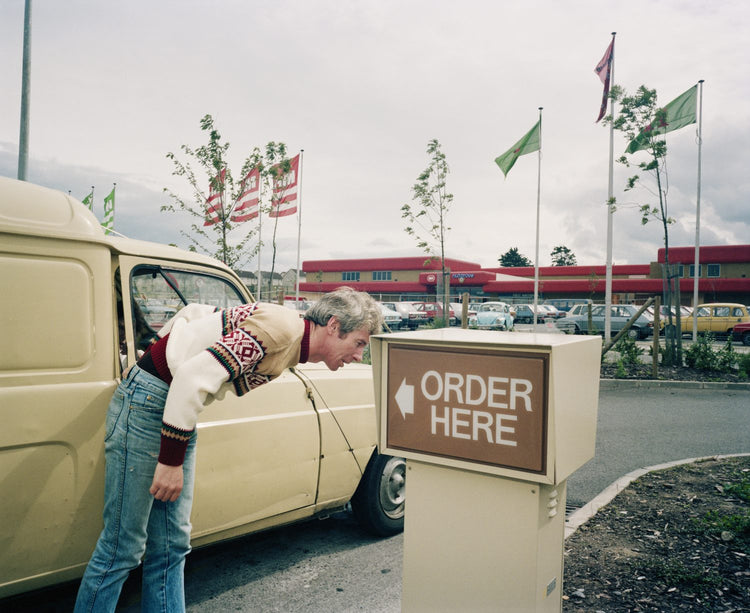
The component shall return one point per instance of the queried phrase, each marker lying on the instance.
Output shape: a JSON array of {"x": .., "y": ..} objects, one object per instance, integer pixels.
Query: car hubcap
[{"x": 393, "y": 488}]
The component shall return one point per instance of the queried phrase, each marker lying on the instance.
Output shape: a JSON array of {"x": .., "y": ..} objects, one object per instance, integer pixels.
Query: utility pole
[{"x": 23, "y": 139}]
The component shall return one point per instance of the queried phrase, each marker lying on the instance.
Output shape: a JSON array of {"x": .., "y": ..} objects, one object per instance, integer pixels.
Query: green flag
[
  {"x": 109, "y": 212},
  {"x": 527, "y": 144},
  {"x": 681, "y": 112},
  {"x": 89, "y": 200}
]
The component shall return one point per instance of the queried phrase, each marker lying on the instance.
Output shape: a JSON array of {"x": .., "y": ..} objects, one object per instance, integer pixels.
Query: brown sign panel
[{"x": 480, "y": 406}]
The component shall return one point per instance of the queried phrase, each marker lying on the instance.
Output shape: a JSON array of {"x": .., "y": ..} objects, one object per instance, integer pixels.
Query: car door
[
  {"x": 257, "y": 455},
  {"x": 720, "y": 319}
]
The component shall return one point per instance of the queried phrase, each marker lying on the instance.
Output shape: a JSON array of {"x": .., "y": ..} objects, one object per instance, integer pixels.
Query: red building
[{"x": 724, "y": 272}]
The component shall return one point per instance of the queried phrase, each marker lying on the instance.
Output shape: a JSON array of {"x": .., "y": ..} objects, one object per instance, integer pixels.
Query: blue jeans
[{"x": 134, "y": 522}]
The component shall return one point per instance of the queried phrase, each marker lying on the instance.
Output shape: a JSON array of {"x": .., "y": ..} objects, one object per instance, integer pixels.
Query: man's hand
[{"x": 167, "y": 483}]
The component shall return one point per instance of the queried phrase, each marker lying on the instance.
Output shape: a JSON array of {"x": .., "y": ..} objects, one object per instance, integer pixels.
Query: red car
[
  {"x": 741, "y": 332},
  {"x": 435, "y": 309}
]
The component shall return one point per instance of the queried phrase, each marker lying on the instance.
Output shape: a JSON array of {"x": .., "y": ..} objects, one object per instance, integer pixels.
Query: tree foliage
[
  {"x": 638, "y": 113},
  {"x": 202, "y": 170},
  {"x": 426, "y": 218},
  {"x": 513, "y": 259},
  {"x": 232, "y": 243},
  {"x": 562, "y": 256}
]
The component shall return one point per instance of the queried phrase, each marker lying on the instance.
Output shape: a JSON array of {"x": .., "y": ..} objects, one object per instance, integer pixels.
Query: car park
[
  {"x": 720, "y": 317},
  {"x": 301, "y": 446},
  {"x": 741, "y": 333},
  {"x": 411, "y": 316},
  {"x": 492, "y": 316},
  {"x": 620, "y": 314},
  {"x": 391, "y": 318}
]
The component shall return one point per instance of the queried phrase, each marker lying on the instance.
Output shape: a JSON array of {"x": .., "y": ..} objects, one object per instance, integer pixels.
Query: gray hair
[{"x": 352, "y": 309}]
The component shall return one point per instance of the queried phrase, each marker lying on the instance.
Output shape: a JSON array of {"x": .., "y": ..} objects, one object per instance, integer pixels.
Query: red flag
[
  {"x": 604, "y": 70},
  {"x": 248, "y": 203},
  {"x": 285, "y": 191},
  {"x": 214, "y": 204}
]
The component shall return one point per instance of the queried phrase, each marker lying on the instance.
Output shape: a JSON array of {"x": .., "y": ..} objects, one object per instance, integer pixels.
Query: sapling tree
[
  {"x": 644, "y": 123},
  {"x": 427, "y": 217},
  {"x": 206, "y": 171}
]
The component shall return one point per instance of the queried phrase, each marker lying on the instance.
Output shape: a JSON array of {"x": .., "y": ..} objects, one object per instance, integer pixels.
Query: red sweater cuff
[{"x": 174, "y": 444}]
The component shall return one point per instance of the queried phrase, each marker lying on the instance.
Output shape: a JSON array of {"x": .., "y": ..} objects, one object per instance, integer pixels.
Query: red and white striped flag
[
  {"x": 285, "y": 189},
  {"x": 248, "y": 203},
  {"x": 214, "y": 204},
  {"x": 604, "y": 70}
]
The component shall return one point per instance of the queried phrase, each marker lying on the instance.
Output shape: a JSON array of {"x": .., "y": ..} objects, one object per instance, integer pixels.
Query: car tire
[
  {"x": 746, "y": 338},
  {"x": 380, "y": 499},
  {"x": 634, "y": 333}
]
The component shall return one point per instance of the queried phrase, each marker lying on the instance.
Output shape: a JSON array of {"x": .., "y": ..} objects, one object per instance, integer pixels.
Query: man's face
[{"x": 340, "y": 350}]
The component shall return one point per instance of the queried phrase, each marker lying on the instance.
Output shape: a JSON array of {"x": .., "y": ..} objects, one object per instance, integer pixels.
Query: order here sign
[{"x": 480, "y": 406}]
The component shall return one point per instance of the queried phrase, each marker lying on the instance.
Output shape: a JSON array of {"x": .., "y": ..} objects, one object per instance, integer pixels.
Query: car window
[
  {"x": 158, "y": 293},
  {"x": 597, "y": 311},
  {"x": 722, "y": 311},
  {"x": 737, "y": 312}
]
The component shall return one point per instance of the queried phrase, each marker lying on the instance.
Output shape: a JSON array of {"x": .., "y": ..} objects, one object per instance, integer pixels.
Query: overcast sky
[{"x": 362, "y": 86}]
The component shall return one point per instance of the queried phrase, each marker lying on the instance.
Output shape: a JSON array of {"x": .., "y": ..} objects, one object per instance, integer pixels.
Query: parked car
[
  {"x": 566, "y": 304},
  {"x": 434, "y": 310},
  {"x": 578, "y": 309},
  {"x": 721, "y": 317},
  {"x": 458, "y": 310},
  {"x": 620, "y": 314},
  {"x": 524, "y": 314},
  {"x": 391, "y": 318},
  {"x": 298, "y": 447},
  {"x": 492, "y": 316},
  {"x": 686, "y": 317},
  {"x": 550, "y": 311},
  {"x": 411, "y": 316},
  {"x": 741, "y": 332}
]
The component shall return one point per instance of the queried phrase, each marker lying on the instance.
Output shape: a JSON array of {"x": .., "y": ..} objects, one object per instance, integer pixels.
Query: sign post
[{"x": 491, "y": 425}]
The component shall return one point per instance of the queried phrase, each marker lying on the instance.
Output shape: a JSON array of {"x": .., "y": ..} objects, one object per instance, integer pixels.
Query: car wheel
[
  {"x": 746, "y": 338},
  {"x": 670, "y": 331},
  {"x": 380, "y": 499},
  {"x": 634, "y": 333}
]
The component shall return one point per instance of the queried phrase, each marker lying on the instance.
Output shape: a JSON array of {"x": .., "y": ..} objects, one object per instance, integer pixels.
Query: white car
[{"x": 391, "y": 318}]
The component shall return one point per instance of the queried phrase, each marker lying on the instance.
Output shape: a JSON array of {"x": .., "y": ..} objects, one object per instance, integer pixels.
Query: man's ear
[{"x": 333, "y": 325}]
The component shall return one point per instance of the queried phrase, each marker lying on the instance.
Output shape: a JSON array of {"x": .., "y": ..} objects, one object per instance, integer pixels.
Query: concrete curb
[
  {"x": 587, "y": 511},
  {"x": 613, "y": 384}
]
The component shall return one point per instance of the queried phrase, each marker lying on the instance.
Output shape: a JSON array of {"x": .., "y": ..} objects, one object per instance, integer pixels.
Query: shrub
[
  {"x": 701, "y": 355},
  {"x": 743, "y": 364},
  {"x": 630, "y": 353}
]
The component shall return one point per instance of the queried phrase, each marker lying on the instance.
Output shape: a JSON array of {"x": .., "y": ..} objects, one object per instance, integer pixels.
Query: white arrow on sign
[{"x": 405, "y": 399}]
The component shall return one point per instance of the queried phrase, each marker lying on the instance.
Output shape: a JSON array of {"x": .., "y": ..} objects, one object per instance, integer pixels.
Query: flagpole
[
  {"x": 260, "y": 243},
  {"x": 610, "y": 208},
  {"x": 299, "y": 224},
  {"x": 538, "y": 201},
  {"x": 696, "y": 262},
  {"x": 23, "y": 139}
]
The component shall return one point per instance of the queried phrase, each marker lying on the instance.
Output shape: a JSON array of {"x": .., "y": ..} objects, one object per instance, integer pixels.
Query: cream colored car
[
  {"x": 720, "y": 317},
  {"x": 76, "y": 307}
]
